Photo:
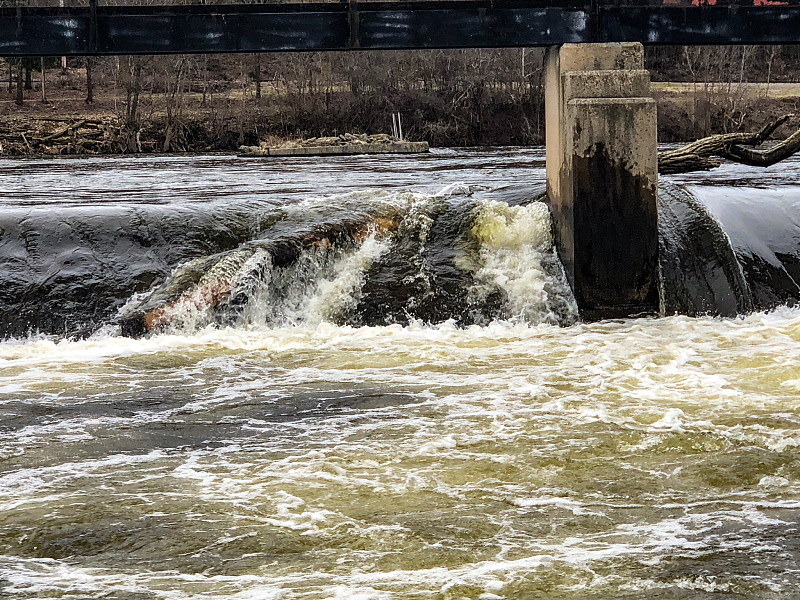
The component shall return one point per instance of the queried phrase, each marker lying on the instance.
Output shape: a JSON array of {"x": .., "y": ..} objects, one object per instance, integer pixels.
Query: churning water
[{"x": 365, "y": 379}]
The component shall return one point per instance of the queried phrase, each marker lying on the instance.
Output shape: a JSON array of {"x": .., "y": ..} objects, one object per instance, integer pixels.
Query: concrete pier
[{"x": 602, "y": 172}]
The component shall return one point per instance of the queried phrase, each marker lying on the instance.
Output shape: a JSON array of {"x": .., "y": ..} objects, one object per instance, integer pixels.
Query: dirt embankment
[{"x": 66, "y": 125}]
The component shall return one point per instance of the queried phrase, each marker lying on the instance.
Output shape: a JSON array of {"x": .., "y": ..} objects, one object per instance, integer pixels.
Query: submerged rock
[
  {"x": 469, "y": 261},
  {"x": 67, "y": 269},
  {"x": 763, "y": 225},
  {"x": 469, "y": 255}
]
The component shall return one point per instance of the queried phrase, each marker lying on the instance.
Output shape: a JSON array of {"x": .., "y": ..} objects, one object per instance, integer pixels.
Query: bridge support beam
[{"x": 602, "y": 176}]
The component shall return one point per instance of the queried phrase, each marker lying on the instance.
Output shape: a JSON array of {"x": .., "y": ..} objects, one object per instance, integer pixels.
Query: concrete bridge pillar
[{"x": 602, "y": 175}]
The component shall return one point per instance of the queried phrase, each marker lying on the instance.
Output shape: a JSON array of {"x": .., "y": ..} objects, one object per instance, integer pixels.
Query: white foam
[
  {"x": 515, "y": 248},
  {"x": 511, "y": 422},
  {"x": 343, "y": 288},
  {"x": 15, "y": 485},
  {"x": 673, "y": 420}
]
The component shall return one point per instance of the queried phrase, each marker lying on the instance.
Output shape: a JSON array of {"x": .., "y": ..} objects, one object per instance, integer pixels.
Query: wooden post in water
[{"x": 602, "y": 176}]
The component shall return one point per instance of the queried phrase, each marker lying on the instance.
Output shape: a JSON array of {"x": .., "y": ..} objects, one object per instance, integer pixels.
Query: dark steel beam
[
  {"x": 471, "y": 24},
  {"x": 718, "y": 24},
  {"x": 107, "y": 30}
]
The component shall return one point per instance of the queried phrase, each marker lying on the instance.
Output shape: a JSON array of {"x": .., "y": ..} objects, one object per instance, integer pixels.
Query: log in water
[{"x": 312, "y": 434}]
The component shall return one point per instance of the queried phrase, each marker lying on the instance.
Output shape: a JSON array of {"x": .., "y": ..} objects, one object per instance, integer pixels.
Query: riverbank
[
  {"x": 688, "y": 111},
  {"x": 66, "y": 125}
]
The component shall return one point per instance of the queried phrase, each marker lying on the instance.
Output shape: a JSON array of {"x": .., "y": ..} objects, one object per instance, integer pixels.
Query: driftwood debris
[
  {"x": 58, "y": 135},
  {"x": 64, "y": 130},
  {"x": 703, "y": 154},
  {"x": 27, "y": 143}
]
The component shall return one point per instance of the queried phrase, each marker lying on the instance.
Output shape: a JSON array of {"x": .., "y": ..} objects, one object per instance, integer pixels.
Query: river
[{"x": 295, "y": 453}]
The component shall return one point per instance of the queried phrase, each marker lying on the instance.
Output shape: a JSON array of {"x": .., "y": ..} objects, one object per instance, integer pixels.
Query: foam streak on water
[{"x": 317, "y": 461}]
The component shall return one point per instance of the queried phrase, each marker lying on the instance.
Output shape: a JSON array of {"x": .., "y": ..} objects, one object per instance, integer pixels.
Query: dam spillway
[
  {"x": 440, "y": 244},
  {"x": 299, "y": 446}
]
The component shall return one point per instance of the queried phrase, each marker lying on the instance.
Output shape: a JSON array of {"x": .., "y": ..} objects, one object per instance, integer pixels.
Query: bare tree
[
  {"x": 20, "y": 100},
  {"x": 133, "y": 88},
  {"x": 89, "y": 84},
  {"x": 174, "y": 73}
]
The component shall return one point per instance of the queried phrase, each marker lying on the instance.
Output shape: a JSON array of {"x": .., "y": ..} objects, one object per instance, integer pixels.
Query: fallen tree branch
[
  {"x": 27, "y": 143},
  {"x": 697, "y": 156},
  {"x": 67, "y": 120},
  {"x": 766, "y": 158},
  {"x": 64, "y": 130}
]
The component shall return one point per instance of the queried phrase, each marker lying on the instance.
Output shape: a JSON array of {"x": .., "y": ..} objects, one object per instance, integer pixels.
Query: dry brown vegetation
[
  {"x": 446, "y": 97},
  {"x": 218, "y": 102}
]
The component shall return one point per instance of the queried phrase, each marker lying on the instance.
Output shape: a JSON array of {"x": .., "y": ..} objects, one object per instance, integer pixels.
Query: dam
[{"x": 601, "y": 120}]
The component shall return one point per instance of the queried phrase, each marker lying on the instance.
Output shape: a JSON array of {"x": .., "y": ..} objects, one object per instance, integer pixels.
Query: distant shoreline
[{"x": 687, "y": 111}]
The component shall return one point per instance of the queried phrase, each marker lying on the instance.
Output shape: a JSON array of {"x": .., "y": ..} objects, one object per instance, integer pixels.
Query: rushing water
[{"x": 301, "y": 449}]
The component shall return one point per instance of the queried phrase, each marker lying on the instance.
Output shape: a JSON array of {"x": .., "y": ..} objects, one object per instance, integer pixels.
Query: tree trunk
[
  {"x": 697, "y": 156},
  {"x": 772, "y": 52},
  {"x": 89, "y": 85},
  {"x": 63, "y": 58},
  {"x": 205, "y": 77},
  {"x": 134, "y": 84},
  {"x": 174, "y": 102},
  {"x": 20, "y": 97},
  {"x": 137, "y": 88},
  {"x": 28, "y": 78},
  {"x": 132, "y": 108},
  {"x": 258, "y": 75},
  {"x": 44, "y": 76}
]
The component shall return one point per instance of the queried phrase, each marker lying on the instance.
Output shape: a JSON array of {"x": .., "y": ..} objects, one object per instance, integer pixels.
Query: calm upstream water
[{"x": 300, "y": 448}]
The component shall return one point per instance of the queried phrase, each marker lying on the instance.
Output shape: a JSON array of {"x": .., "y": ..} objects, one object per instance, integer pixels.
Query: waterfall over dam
[{"x": 469, "y": 253}]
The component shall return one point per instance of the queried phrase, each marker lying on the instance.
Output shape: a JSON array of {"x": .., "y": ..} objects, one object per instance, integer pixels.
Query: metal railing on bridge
[{"x": 105, "y": 29}]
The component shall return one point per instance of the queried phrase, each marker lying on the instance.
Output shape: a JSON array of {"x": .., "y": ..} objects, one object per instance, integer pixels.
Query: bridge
[{"x": 295, "y": 26}]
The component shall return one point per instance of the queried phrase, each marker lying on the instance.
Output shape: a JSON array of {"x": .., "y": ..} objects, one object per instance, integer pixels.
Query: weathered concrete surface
[
  {"x": 606, "y": 84},
  {"x": 602, "y": 176},
  {"x": 601, "y": 57},
  {"x": 615, "y": 224},
  {"x": 553, "y": 127},
  {"x": 341, "y": 150}
]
